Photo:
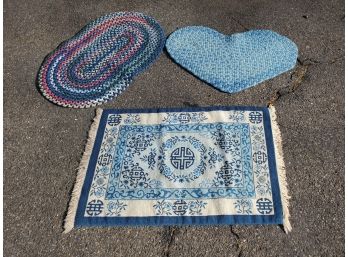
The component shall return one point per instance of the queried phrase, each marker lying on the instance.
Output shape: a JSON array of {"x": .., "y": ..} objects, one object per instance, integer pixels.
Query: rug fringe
[
  {"x": 280, "y": 169},
  {"x": 81, "y": 174}
]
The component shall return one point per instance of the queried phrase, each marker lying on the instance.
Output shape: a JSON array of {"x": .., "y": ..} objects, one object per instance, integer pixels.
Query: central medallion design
[{"x": 182, "y": 158}]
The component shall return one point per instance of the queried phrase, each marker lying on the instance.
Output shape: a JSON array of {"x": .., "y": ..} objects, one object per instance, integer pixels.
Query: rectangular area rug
[{"x": 209, "y": 165}]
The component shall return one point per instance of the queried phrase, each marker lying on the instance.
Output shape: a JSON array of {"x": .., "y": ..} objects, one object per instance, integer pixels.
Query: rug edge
[
  {"x": 281, "y": 171},
  {"x": 81, "y": 173}
]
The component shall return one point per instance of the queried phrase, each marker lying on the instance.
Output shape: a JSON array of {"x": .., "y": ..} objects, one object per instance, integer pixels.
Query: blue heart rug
[{"x": 232, "y": 63}]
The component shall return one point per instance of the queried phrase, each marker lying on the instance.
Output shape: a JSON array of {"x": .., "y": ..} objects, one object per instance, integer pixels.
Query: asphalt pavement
[{"x": 44, "y": 142}]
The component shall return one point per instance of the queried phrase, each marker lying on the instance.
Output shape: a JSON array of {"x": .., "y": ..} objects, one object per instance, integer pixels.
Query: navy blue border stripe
[
  {"x": 278, "y": 210},
  {"x": 277, "y": 218}
]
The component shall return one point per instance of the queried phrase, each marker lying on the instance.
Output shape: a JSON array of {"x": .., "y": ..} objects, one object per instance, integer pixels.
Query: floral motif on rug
[{"x": 212, "y": 165}]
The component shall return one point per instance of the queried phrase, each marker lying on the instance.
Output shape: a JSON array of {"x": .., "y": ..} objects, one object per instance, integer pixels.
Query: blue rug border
[{"x": 277, "y": 218}]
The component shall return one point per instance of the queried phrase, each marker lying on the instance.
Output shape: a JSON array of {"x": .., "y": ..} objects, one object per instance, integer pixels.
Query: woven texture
[
  {"x": 209, "y": 165},
  {"x": 232, "y": 63},
  {"x": 100, "y": 61}
]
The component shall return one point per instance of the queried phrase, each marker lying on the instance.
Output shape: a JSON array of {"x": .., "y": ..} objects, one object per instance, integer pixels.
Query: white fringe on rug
[
  {"x": 81, "y": 174},
  {"x": 280, "y": 169}
]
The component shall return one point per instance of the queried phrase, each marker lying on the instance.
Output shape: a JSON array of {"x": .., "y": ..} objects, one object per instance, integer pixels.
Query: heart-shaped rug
[
  {"x": 100, "y": 61},
  {"x": 232, "y": 63}
]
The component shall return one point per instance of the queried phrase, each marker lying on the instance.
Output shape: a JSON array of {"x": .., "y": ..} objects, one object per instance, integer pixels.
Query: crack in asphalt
[
  {"x": 311, "y": 61},
  {"x": 239, "y": 23},
  {"x": 170, "y": 236},
  {"x": 296, "y": 78},
  {"x": 239, "y": 243},
  {"x": 171, "y": 232}
]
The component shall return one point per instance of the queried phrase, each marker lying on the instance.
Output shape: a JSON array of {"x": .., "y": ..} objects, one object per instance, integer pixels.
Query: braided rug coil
[{"x": 100, "y": 61}]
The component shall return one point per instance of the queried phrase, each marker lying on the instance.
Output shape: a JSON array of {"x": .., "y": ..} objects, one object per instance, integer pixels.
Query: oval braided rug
[{"x": 100, "y": 61}]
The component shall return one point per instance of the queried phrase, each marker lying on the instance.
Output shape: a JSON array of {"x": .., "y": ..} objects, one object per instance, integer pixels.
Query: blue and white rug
[
  {"x": 212, "y": 165},
  {"x": 232, "y": 63}
]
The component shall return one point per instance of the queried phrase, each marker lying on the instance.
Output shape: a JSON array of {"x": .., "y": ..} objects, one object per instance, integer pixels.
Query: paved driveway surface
[{"x": 43, "y": 142}]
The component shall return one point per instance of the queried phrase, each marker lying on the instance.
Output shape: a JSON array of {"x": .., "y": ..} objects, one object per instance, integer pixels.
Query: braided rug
[{"x": 100, "y": 61}]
